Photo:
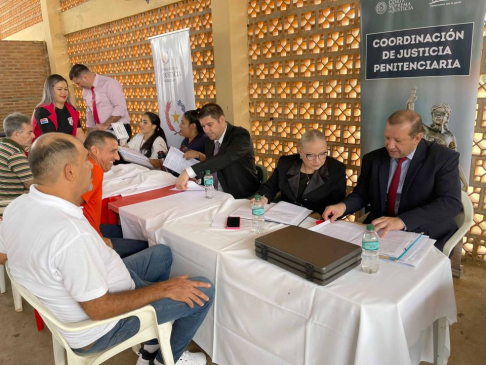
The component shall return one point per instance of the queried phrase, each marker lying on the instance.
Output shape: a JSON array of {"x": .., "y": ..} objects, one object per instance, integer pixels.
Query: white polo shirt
[{"x": 54, "y": 252}]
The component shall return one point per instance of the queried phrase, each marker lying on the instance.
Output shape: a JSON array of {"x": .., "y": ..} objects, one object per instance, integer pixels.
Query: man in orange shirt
[{"x": 103, "y": 152}]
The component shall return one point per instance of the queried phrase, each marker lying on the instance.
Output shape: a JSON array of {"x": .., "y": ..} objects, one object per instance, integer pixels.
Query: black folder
[{"x": 311, "y": 255}]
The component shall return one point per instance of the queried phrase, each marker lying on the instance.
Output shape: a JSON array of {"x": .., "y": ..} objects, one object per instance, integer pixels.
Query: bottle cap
[
  {"x": 258, "y": 198},
  {"x": 370, "y": 227},
  {"x": 208, "y": 172}
]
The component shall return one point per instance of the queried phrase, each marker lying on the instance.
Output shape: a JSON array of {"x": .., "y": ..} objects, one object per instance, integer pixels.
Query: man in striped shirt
[{"x": 15, "y": 174}]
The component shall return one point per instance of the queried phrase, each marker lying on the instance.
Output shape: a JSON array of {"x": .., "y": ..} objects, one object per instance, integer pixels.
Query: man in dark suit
[
  {"x": 229, "y": 156},
  {"x": 410, "y": 184}
]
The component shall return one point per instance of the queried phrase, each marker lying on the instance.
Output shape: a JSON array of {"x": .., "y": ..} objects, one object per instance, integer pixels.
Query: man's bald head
[
  {"x": 407, "y": 117},
  {"x": 49, "y": 155}
]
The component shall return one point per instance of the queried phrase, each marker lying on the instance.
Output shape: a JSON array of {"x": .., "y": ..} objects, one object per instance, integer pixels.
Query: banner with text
[
  {"x": 171, "y": 53},
  {"x": 422, "y": 55}
]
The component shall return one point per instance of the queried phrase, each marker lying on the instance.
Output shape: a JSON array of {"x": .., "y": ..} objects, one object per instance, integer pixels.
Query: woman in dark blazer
[{"x": 310, "y": 178}]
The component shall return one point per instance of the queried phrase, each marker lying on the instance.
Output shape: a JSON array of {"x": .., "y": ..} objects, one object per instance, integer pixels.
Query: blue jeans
[
  {"x": 150, "y": 266},
  {"x": 123, "y": 246}
]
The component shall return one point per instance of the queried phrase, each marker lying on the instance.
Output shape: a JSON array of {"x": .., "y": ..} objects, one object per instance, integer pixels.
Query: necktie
[
  {"x": 215, "y": 174},
  {"x": 95, "y": 110},
  {"x": 392, "y": 191}
]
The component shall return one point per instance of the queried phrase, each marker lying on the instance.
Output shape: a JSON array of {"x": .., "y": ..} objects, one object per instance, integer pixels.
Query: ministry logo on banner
[
  {"x": 393, "y": 6},
  {"x": 174, "y": 78},
  {"x": 172, "y": 117}
]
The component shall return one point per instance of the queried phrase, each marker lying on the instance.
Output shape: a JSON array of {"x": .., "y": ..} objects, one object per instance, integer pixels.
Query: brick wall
[{"x": 24, "y": 66}]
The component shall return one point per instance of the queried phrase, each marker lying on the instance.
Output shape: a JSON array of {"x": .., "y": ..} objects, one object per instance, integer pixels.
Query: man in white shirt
[{"x": 55, "y": 253}]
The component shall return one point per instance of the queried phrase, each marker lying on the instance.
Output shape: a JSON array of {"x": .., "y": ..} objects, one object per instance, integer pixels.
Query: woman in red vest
[{"x": 55, "y": 112}]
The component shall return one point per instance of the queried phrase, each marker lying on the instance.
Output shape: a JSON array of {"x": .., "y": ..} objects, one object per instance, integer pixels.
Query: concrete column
[
  {"x": 230, "y": 41},
  {"x": 54, "y": 38}
]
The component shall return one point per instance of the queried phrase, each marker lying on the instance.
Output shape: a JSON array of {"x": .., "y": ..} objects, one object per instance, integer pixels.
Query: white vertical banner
[{"x": 171, "y": 53}]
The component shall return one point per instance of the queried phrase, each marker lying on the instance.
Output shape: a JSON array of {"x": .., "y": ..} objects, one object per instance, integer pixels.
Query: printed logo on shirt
[
  {"x": 70, "y": 120},
  {"x": 44, "y": 121}
]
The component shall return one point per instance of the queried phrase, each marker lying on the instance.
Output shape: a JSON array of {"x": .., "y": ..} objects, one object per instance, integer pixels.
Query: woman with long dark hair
[
  {"x": 55, "y": 113},
  {"x": 193, "y": 145},
  {"x": 151, "y": 138}
]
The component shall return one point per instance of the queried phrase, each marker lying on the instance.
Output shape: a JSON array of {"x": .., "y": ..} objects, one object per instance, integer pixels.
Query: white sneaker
[{"x": 192, "y": 358}]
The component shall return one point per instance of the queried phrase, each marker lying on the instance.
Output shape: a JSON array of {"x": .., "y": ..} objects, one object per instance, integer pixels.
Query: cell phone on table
[{"x": 233, "y": 223}]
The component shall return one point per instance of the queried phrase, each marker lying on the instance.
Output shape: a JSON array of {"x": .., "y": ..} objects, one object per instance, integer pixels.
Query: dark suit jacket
[
  {"x": 326, "y": 187},
  {"x": 234, "y": 163},
  {"x": 431, "y": 194}
]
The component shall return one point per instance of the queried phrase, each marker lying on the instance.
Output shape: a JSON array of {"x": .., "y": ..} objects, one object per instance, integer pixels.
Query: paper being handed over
[{"x": 175, "y": 161}]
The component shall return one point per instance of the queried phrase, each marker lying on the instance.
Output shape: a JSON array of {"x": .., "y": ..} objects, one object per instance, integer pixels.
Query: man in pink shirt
[{"x": 105, "y": 101}]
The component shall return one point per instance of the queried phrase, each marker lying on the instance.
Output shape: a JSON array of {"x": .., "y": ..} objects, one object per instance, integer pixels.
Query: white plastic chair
[
  {"x": 3, "y": 286},
  {"x": 464, "y": 221},
  {"x": 149, "y": 329},
  {"x": 16, "y": 295}
]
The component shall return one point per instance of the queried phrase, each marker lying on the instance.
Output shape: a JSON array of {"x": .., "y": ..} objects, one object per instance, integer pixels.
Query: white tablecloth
[
  {"x": 140, "y": 221},
  {"x": 265, "y": 315}
]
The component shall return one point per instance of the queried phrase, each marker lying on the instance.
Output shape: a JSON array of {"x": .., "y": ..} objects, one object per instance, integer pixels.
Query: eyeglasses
[{"x": 312, "y": 157}]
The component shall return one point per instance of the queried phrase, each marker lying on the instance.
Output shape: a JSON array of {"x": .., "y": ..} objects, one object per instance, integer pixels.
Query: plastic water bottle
[
  {"x": 208, "y": 185},
  {"x": 370, "y": 261},
  {"x": 258, "y": 212}
]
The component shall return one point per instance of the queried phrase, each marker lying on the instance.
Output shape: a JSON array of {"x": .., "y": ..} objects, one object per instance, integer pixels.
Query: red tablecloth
[{"x": 119, "y": 202}]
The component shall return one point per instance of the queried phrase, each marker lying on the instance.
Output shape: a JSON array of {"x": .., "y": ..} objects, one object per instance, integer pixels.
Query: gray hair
[
  {"x": 311, "y": 136},
  {"x": 14, "y": 123},
  {"x": 48, "y": 92},
  {"x": 50, "y": 153},
  {"x": 98, "y": 139}
]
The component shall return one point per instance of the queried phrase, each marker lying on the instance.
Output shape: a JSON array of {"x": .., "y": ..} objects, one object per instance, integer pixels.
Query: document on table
[
  {"x": 287, "y": 213},
  {"x": 244, "y": 212},
  {"x": 281, "y": 212},
  {"x": 175, "y": 160},
  {"x": 133, "y": 156},
  {"x": 394, "y": 245},
  {"x": 415, "y": 254},
  {"x": 342, "y": 230},
  {"x": 191, "y": 186}
]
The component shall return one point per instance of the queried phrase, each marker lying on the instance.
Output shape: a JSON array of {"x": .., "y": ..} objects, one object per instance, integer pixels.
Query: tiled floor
[{"x": 21, "y": 344}]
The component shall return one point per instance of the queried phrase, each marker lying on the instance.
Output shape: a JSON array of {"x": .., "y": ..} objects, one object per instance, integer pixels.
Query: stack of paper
[
  {"x": 244, "y": 212},
  {"x": 133, "y": 156},
  {"x": 191, "y": 186},
  {"x": 281, "y": 212},
  {"x": 397, "y": 245},
  {"x": 175, "y": 161}
]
